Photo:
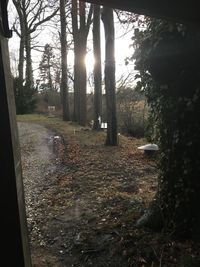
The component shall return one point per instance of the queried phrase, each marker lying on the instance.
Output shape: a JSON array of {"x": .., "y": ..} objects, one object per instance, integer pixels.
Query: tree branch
[
  {"x": 89, "y": 19},
  {"x": 74, "y": 18},
  {"x": 43, "y": 20}
]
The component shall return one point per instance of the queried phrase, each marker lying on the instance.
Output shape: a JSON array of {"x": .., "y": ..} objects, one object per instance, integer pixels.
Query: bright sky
[{"x": 122, "y": 50}]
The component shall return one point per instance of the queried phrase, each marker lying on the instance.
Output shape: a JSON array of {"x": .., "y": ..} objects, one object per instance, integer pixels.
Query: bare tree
[
  {"x": 80, "y": 30},
  {"x": 97, "y": 69},
  {"x": 64, "y": 80},
  {"x": 31, "y": 15},
  {"x": 112, "y": 135}
]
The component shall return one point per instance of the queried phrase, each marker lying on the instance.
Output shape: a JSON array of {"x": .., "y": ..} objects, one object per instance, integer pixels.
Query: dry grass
[{"x": 102, "y": 194}]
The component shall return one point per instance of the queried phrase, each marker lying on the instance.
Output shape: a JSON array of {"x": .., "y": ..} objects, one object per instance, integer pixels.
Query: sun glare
[{"x": 89, "y": 61}]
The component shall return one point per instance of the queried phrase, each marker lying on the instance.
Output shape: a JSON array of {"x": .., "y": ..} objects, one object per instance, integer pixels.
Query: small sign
[
  {"x": 104, "y": 125},
  {"x": 51, "y": 108}
]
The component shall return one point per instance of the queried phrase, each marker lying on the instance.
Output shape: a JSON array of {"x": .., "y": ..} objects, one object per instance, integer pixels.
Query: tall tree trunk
[
  {"x": 80, "y": 81},
  {"x": 27, "y": 36},
  {"x": 21, "y": 60},
  {"x": 64, "y": 80},
  {"x": 29, "y": 70},
  {"x": 97, "y": 69},
  {"x": 80, "y": 113},
  {"x": 175, "y": 99},
  {"x": 76, "y": 63},
  {"x": 80, "y": 34},
  {"x": 82, "y": 66},
  {"x": 76, "y": 115},
  {"x": 108, "y": 20},
  {"x": 22, "y": 42},
  {"x": 83, "y": 83}
]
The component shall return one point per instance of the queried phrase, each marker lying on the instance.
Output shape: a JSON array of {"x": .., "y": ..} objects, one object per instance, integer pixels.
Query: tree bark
[
  {"x": 97, "y": 69},
  {"x": 80, "y": 34},
  {"x": 29, "y": 69},
  {"x": 22, "y": 42},
  {"x": 21, "y": 60},
  {"x": 83, "y": 84},
  {"x": 75, "y": 31},
  {"x": 175, "y": 101},
  {"x": 83, "y": 75},
  {"x": 76, "y": 82},
  {"x": 64, "y": 80},
  {"x": 108, "y": 20}
]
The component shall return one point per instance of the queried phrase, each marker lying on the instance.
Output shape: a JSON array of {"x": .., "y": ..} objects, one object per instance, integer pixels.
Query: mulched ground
[{"x": 89, "y": 201}]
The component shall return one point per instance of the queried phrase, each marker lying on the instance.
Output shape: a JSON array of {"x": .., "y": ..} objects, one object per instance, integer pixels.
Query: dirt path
[
  {"x": 82, "y": 202},
  {"x": 38, "y": 161},
  {"x": 39, "y": 167}
]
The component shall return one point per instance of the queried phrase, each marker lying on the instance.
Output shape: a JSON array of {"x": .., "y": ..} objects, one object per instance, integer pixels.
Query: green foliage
[
  {"x": 49, "y": 70},
  {"x": 167, "y": 56},
  {"x": 25, "y": 99}
]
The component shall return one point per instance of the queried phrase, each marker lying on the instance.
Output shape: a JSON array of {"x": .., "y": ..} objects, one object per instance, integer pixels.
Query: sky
[{"x": 122, "y": 50}]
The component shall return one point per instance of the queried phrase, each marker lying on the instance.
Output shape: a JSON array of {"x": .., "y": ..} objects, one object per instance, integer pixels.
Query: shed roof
[{"x": 179, "y": 10}]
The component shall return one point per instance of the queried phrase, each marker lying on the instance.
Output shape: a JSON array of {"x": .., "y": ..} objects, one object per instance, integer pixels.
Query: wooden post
[{"x": 14, "y": 235}]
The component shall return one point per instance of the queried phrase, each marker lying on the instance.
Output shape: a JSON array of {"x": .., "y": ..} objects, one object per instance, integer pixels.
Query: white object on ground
[
  {"x": 56, "y": 137},
  {"x": 104, "y": 125},
  {"x": 149, "y": 147}
]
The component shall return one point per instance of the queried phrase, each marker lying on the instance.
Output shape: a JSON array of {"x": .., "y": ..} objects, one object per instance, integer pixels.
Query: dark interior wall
[
  {"x": 14, "y": 237},
  {"x": 182, "y": 11}
]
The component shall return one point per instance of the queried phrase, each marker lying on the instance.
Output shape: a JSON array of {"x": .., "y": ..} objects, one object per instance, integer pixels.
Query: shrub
[
  {"x": 25, "y": 97},
  {"x": 131, "y": 111}
]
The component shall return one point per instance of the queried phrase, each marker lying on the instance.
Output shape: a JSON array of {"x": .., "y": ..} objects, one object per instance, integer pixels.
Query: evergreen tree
[{"x": 46, "y": 69}]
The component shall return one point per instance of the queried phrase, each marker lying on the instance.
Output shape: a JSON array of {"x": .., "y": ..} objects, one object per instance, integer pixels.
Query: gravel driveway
[
  {"x": 39, "y": 165},
  {"x": 37, "y": 157},
  {"x": 80, "y": 199}
]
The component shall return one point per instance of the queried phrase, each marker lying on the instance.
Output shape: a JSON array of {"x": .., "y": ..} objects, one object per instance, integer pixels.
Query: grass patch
[
  {"x": 84, "y": 135},
  {"x": 109, "y": 188}
]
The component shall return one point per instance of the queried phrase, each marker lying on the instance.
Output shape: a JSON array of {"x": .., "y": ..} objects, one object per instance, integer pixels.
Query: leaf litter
[{"x": 83, "y": 200}]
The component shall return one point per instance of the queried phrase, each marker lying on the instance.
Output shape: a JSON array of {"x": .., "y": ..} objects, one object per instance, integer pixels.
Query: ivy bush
[{"x": 167, "y": 56}]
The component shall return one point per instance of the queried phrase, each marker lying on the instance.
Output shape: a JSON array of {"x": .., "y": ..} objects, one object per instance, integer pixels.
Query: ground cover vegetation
[{"x": 84, "y": 212}]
